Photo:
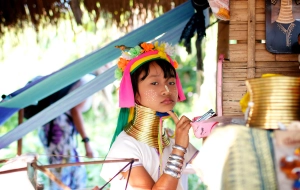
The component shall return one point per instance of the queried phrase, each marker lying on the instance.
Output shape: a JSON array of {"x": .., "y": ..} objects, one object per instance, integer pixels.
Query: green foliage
[
  {"x": 90, "y": 26},
  {"x": 194, "y": 183},
  {"x": 188, "y": 78},
  {"x": 11, "y": 123}
]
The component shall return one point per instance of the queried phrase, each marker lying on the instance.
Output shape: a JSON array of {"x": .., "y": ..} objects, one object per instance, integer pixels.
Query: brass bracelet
[{"x": 179, "y": 148}]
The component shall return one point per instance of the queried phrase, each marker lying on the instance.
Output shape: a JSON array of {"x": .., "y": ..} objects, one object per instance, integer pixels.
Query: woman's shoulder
[
  {"x": 125, "y": 142},
  {"x": 126, "y": 146},
  {"x": 123, "y": 136}
]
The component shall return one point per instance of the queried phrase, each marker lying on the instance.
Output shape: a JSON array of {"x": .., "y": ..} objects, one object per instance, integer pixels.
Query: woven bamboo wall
[{"x": 248, "y": 58}]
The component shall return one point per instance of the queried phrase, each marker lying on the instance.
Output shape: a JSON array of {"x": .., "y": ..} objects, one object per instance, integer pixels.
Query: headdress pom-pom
[{"x": 118, "y": 73}]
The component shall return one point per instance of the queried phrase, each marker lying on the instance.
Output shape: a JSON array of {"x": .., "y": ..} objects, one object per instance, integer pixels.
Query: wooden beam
[
  {"x": 51, "y": 176},
  {"x": 286, "y": 57},
  {"x": 251, "y": 39},
  {"x": 220, "y": 85},
  {"x": 89, "y": 163},
  {"x": 223, "y": 39},
  {"x": 33, "y": 164},
  {"x": 20, "y": 120}
]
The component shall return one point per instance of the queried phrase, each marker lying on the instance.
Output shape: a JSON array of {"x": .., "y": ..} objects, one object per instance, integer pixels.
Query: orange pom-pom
[
  {"x": 147, "y": 47},
  {"x": 122, "y": 63},
  {"x": 175, "y": 64}
]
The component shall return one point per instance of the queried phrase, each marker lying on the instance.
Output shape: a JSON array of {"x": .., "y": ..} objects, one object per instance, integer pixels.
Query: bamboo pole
[
  {"x": 51, "y": 176},
  {"x": 220, "y": 85},
  {"x": 88, "y": 163},
  {"x": 20, "y": 120},
  {"x": 13, "y": 170},
  {"x": 71, "y": 164},
  {"x": 251, "y": 39}
]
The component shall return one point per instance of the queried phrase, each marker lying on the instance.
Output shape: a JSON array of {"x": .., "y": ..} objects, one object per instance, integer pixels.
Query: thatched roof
[{"x": 17, "y": 13}]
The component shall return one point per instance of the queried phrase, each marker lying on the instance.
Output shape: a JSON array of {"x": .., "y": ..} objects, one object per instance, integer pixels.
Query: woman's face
[{"x": 155, "y": 91}]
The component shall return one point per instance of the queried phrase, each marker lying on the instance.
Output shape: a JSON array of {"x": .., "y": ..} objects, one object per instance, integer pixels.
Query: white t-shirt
[{"x": 126, "y": 146}]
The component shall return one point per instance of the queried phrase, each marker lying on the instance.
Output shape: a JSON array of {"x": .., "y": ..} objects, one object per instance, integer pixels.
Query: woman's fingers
[
  {"x": 184, "y": 121},
  {"x": 174, "y": 117}
]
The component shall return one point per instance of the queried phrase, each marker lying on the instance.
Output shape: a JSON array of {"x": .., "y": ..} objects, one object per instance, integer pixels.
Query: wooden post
[
  {"x": 222, "y": 53},
  {"x": 220, "y": 85},
  {"x": 20, "y": 120},
  {"x": 251, "y": 39},
  {"x": 223, "y": 39}
]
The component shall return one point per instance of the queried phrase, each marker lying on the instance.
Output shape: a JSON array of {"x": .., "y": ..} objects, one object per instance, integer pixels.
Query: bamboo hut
[
  {"x": 242, "y": 41},
  {"x": 246, "y": 54}
]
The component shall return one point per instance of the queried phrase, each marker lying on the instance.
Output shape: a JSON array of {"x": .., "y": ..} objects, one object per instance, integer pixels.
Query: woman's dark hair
[{"x": 168, "y": 69}]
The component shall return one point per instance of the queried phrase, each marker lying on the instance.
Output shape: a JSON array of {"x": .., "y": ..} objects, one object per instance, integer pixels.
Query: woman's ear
[{"x": 137, "y": 98}]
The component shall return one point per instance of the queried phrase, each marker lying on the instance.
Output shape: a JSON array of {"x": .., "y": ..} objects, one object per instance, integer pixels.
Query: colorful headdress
[{"x": 135, "y": 57}]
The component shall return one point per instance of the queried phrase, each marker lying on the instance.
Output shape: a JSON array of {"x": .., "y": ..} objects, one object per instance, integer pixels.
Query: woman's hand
[
  {"x": 183, "y": 126},
  {"x": 88, "y": 150}
]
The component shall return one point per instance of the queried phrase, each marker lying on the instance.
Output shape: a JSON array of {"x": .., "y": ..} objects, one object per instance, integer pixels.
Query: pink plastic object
[{"x": 203, "y": 128}]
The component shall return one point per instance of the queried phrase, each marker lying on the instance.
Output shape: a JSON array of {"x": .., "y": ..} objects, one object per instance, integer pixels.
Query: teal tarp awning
[{"x": 170, "y": 24}]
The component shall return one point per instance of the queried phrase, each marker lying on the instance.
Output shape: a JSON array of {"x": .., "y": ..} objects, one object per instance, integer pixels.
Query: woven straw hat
[
  {"x": 285, "y": 14},
  {"x": 275, "y": 99}
]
